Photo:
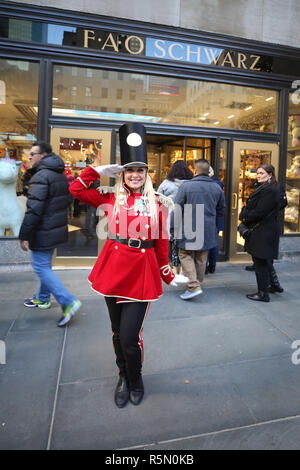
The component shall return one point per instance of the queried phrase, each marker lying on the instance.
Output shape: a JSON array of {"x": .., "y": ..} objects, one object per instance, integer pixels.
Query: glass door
[
  {"x": 247, "y": 157},
  {"x": 79, "y": 148}
]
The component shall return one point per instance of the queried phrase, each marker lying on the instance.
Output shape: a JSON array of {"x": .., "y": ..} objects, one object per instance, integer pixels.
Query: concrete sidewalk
[{"x": 218, "y": 369}]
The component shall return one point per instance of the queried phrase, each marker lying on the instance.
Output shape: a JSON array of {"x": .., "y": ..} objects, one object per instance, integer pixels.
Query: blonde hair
[{"x": 147, "y": 190}]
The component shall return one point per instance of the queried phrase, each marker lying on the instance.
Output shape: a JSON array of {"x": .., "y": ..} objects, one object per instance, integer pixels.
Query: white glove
[{"x": 109, "y": 170}]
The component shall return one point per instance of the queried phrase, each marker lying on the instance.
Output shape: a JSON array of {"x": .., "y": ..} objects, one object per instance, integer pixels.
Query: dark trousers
[
  {"x": 127, "y": 321},
  {"x": 264, "y": 271},
  {"x": 212, "y": 256}
]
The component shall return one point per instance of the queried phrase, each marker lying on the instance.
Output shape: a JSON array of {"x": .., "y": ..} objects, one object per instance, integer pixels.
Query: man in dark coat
[
  {"x": 45, "y": 227},
  {"x": 199, "y": 207}
]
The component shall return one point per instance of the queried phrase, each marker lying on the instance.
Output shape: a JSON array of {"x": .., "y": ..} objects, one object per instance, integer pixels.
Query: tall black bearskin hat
[{"x": 133, "y": 145}]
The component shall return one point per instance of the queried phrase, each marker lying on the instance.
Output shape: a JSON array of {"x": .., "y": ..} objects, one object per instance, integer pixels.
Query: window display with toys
[{"x": 291, "y": 213}]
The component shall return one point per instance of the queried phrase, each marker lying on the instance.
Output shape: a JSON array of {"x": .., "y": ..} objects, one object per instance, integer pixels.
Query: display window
[
  {"x": 102, "y": 94},
  {"x": 18, "y": 130},
  {"x": 77, "y": 154},
  {"x": 291, "y": 212}
]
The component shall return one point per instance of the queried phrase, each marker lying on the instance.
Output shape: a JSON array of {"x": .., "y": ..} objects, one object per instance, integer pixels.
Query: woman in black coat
[{"x": 260, "y": 215}]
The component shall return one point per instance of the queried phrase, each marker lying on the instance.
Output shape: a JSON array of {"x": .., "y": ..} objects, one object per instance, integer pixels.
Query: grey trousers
[{"x": 193, "y": 266}]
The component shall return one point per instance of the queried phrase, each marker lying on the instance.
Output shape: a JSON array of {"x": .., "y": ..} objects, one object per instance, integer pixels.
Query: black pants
[
  {"x": 127, "y": 321},
  {"x": 264, "y": 270}
]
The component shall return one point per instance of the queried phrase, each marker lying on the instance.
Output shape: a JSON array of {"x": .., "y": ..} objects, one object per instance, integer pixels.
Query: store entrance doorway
[
  {"x": 164, "y": 150},
  {"x": 247, "y": 156},
  {"x": 79, "y": 148}
]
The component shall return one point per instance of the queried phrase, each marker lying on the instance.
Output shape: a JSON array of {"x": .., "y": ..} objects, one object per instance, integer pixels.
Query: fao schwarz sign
[
  {"x": 167, "y": 50},
  {"x": 105, "y": 41}
]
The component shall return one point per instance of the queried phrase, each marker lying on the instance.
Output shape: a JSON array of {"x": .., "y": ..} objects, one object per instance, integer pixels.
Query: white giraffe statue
[{"x": 11, "y": 213}]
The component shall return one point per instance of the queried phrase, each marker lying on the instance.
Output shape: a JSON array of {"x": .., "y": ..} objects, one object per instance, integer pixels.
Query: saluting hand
[{"x": 109, "y": 170}]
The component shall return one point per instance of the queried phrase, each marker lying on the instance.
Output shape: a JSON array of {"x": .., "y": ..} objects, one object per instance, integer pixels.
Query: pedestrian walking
[
  {"x": 134, "y": 259},
  {"x": 187, "y": 225},
  {"x": 45, "y": 227},
  {"x": 213, "y": 253},
  {"x": 260, "y": 228},
  {"x": 178, "y": 173}
]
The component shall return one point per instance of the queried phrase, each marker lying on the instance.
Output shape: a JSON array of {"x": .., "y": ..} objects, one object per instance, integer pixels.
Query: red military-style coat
[{"x": 122, "y": 271}]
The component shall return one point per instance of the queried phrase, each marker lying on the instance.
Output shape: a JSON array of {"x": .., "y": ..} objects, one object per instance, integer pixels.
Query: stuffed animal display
[
  {"x": 11, "y": 213},
  {"x": 294, "y": 170},
  {"x": 294, "y": 123}
]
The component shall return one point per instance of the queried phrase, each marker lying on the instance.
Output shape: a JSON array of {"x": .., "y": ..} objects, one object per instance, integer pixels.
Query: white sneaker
[
  {"x": 181, "y": 279},
  {"x": 189, "y": 295}
]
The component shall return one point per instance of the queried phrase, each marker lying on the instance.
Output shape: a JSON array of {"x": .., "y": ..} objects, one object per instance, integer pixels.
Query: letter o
[{"x": 140, "y": 41}]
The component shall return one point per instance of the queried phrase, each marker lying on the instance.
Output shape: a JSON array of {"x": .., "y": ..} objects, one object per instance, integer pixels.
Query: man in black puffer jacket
[{"x": 45, "y": 226}]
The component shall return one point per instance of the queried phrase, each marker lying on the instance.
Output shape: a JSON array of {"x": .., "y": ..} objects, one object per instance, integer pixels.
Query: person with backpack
[{"x": 260, "y": 228}]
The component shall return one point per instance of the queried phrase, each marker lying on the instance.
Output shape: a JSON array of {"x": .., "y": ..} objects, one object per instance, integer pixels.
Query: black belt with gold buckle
[{"x": 131, "y": 242}]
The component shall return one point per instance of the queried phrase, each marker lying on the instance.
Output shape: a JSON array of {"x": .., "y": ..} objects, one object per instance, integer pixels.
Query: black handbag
[{"x": 245, "y": 231}]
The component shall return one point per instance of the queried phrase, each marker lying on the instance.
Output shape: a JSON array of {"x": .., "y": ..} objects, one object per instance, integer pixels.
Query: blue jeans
[{"x": 50, "y": 283}]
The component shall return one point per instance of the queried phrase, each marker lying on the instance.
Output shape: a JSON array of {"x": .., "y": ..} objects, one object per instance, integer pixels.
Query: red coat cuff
[{"x": 167, "y": 274}]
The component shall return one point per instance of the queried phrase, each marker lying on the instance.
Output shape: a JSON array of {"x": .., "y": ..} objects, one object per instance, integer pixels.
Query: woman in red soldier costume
[{"x": 134, "y": 259}]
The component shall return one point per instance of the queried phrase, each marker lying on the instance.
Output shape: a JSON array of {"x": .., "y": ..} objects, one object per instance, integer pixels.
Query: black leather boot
[
  {"x": 275, "y": 284},
  {"x": 137, "y": 392},
  {"x": 121, "y": 392},
  {"x": 260, "y": 296}
]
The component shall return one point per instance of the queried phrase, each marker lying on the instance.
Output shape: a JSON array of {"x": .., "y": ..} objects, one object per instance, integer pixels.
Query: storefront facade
[{"x": 74, "y": 79}]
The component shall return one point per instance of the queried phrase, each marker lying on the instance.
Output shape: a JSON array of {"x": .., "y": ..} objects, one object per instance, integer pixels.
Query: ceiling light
[
  {"x": 231, "y": 116},
  {"x": 202, "y": 118},
  {"x": 270, "y": 98},
  {"x": 205, "y": 114},
  {"x": 248, "y": 107},
  {"x": 55, "y": 99},
  {"x": 217, "y": 122}
]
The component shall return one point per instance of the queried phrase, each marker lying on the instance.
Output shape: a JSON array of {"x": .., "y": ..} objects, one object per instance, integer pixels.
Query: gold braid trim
[
  {"x": 165, "y": 200},
  {"x": 165, "y": 270},
  {"x": 82, "y": 182},
  {"x": 106, "y": 189}
]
